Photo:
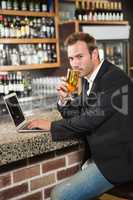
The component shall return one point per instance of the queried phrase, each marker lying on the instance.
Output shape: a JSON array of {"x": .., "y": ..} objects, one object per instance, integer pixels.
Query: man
[{"x": 102, "y": 114}]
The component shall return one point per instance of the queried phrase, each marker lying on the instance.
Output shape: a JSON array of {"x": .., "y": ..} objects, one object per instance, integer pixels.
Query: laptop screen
[{"x": 15, "y": 109}]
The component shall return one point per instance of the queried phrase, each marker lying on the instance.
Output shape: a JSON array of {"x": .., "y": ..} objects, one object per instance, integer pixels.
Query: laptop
[{"x": 17, "y": 115}]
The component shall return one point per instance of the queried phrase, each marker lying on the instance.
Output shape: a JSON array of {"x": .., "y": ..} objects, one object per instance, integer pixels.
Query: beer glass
[{"x": 72, "y": 80}]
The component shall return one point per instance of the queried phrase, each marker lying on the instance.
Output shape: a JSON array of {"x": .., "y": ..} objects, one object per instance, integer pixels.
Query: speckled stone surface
[{"x": 17, "y": 146}]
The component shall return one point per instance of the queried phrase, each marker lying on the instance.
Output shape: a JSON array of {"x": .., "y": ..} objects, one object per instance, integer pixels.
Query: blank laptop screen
[{"x": 15, "y": 110}]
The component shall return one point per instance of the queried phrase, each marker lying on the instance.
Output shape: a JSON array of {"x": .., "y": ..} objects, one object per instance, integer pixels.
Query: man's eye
[
  {"x": 70, "y": 59},
  {"x": 80, "y": 56}
]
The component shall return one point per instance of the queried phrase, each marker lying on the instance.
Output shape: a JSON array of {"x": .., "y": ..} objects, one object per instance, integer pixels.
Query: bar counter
[
  {"x": 31, "y": 164},
  {"x": 16, "y": 146}
]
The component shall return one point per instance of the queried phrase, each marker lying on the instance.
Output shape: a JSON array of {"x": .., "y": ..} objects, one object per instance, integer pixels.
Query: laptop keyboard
[{"x": 25, "y": 127}]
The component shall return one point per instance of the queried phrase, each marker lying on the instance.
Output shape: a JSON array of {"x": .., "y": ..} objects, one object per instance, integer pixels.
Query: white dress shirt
[{"x": 92, "y": 77}]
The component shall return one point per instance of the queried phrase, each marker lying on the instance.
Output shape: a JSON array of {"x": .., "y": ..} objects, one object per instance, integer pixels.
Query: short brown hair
[{"x": 80, "y": 36}]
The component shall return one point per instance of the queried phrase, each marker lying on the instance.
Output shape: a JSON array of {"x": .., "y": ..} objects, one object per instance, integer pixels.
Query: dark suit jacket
[{"x": 105, "y": 118}]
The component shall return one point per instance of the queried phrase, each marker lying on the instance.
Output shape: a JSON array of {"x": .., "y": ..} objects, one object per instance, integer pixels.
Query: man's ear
[{"x": 95, "y": 54}]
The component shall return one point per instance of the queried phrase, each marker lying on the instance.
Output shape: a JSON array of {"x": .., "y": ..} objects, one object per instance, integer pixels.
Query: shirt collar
[{"x": 93, "y": 75}]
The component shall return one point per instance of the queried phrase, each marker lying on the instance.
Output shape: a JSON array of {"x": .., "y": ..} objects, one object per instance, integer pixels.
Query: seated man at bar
[{"x": 102, "y": 114}]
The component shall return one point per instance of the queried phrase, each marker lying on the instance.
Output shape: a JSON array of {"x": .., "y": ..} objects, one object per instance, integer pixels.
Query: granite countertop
[{"x": 16, "y": 146}]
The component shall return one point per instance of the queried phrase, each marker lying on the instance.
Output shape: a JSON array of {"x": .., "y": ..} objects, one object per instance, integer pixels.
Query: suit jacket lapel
[{"x": 103, "y": 69}]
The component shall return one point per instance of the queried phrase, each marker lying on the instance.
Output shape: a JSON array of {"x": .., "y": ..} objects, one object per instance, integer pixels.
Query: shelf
[
  {"x": 104, "y": 22},
  {"x": 98, "y": 22},
  {"x": 17, "y": 41},
  {"x": 29, "y": 67},
  {"x": 26, "y": 40},
  {"x": 27, "y": 13}
]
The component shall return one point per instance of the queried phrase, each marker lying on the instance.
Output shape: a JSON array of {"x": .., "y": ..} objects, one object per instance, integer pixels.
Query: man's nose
[{"x": 75, "y": 64}]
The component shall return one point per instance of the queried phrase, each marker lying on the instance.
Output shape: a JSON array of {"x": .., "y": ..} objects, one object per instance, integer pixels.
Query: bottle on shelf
[
  {"x": 44, "y": 7},
  {"x": 24, "y": 5},
  {"x": 79, "y": 12},
  {"x": 1, "y": 84},
  {"x": 3, "y": 4},
  {"x": 15, "y": 5},
  {"x": 9, "y": 4},
  {"x": 13, "y": 82},
  {"x": 27, "y": 27},
  {"x": 6, "y": 83},
  {"x": 14, "y": 26},
  {"x": 99, "y": 10},
  {"x": 2, "y": 31}
]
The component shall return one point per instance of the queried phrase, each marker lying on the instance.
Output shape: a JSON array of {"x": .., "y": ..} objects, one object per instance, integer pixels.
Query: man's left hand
[{"x": 40, "y": 123}]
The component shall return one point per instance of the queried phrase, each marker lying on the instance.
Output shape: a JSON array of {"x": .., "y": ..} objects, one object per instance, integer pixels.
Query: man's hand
[
  {"x": 40, "y": 123},
  {"x": 62, "y": 90}
]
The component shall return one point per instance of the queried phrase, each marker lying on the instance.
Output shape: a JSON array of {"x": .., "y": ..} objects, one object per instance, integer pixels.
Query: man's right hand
[{"x": 62, "y": 90}]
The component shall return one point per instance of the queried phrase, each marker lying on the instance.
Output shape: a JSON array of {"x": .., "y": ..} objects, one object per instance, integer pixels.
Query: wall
[
  {"x": 128, "y": 14},
  {"x": 34, "y": 178}
]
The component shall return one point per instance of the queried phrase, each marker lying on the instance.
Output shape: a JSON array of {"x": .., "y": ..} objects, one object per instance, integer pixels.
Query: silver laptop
[{"x": 17, "y": 115}]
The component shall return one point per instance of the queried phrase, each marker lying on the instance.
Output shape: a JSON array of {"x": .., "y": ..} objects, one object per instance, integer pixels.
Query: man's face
[{"x": 80, "y": 58}]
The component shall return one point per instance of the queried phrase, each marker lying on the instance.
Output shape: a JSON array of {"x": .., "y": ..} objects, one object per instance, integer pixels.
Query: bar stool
[{"x": 124, "y": 191}]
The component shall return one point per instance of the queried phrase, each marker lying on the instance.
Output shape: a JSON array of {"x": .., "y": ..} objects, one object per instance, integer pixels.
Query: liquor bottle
[
  {"x": 79, "y": 11},
  {"x": 22, "y": 55},
  {"x": 14, "y": 82},
  {"x": 109, "y": 54},
  {"x": 27, "y": 27},
  {"x": 8, "y": 58},
  {"x": 1, "y": 26},
  {"x": 48, "y": 34},
  {"x": 38, "y": 27},
  {"x": 44, "y": 7},
  {"x": 27, "y": 85},
  {"x": 40, "y": 54},
  {"x": 37, "y": 6},
  {"x": 52, "y": 27},
  {"x": 35, "y": 34},
  {"x": 6, "y": 28},
  {"x": 12, "y": 28},
  {"x": 18, "y": 27},
  {"x": 15, "y": 5},
  {"x": 45, "y": 53},
  {"x": 5, "y": 83},
  {"x": 3, "y": 4},
  {"x": 85, "y": 12},
  {"x": 20, "y": 85},
  {"x": 53, "y": 53},
  {"x": 120, "y": 11},
  {"x": 44, "y": 28},
  {"x": 10, "y": 86},
  {"x": 15, "y": 57},
  {"x": 31, "y": 6},
  {"x": 9, "y": 4},
  {"x": 1, "y": 85},
  {"x": 31, "y": 27},
  {"x": 4, "y": 57},
  {"x": 24, "y": 5},
  {"x": 117, "y": 55},
  {"x": 22, "y": 28}
]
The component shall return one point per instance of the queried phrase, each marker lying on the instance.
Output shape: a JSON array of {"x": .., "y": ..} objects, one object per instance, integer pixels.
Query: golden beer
[{"x": 72, "y": 80}]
